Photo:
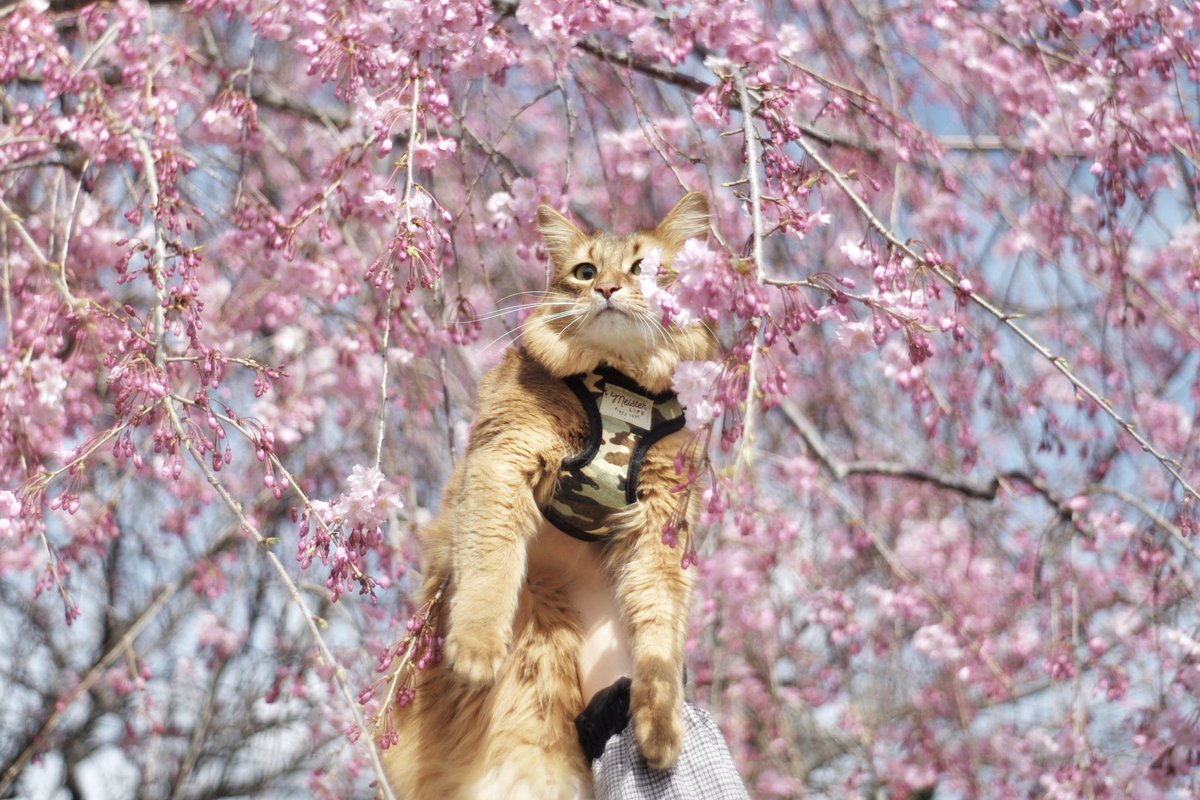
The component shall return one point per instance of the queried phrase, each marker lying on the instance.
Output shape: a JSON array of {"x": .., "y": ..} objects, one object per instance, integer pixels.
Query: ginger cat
[{"x": 537, "y": 621}]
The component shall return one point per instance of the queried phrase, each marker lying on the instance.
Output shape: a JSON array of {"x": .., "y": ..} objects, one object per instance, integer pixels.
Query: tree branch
[
  {"x": 842, "y": 470},
  {"x": 750, "y": 135},
  {"x": 413, "y": 135}
]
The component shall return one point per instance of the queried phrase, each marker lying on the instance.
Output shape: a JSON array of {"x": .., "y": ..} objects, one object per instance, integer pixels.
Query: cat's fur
[{"x": 496, "y": 718}]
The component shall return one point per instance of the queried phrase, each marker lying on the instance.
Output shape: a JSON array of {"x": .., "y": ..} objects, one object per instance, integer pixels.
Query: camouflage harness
[{"x": 624, "y": 421}]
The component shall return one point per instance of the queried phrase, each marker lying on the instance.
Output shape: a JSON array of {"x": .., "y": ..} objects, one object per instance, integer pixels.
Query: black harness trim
[
  {"x": 595, "y": 424},
  {"x": 646, "y": 438}
]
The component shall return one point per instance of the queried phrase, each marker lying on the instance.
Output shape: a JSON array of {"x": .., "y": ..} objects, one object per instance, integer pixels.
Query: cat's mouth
[{"x": 609, "y": 309}]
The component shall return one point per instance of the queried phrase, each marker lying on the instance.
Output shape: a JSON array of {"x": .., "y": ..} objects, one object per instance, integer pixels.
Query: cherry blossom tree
[{"x": 256, "y": 256}]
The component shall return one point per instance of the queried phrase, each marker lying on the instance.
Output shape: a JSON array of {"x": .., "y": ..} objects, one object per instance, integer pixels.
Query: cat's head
[{"x": 595, "y": 310}]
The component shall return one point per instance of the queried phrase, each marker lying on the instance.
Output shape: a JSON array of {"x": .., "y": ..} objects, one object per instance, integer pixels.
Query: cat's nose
[{"x": 607, "y": 289}]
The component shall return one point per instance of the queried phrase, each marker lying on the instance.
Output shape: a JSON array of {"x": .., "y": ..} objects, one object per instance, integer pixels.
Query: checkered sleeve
[{"x": 704, "y": 770}]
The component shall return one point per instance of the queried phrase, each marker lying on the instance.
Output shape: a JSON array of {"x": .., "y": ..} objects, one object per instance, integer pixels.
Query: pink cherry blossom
[{"x": 692, "y": 382}]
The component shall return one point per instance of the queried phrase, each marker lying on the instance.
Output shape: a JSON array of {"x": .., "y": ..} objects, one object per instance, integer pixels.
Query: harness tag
[{"x": 627, "y": 406}]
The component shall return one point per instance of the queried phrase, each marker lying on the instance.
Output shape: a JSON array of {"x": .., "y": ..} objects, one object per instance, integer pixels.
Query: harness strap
[{"x": 624, "y": 422}]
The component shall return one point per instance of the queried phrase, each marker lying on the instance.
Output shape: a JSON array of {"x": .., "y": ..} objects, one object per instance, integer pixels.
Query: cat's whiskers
[
  {"x": 542, "y": 292},
  {"x": 500, "y": 312},
  {"x": 544, "y": 297},
  {"x": 656, "y": 326},
  {"x": 582, "y": 316},
  {"x": 519, "y": 329},
  {"x": 652, "y": 335},
  {"x": 711, "y": 332},
  {"x": 571, "y": 312}
]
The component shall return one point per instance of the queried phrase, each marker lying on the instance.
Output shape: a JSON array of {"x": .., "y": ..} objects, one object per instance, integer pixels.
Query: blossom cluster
[{"x": 344, "y": 531}]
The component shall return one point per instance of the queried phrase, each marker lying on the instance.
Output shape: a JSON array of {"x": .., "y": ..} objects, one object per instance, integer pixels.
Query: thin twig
[
  {"x": 975, "y": 491},
  {"x": 842, "y": 470},
  {"x": 55, "y": 270},
  {"x": 160, "y": 251},
  {"x": 291, "y": 481},
  {"x": 387, "y": 324},
  {"x": 1161, "y": 522},
  {"x": 398, "y": 674},
  {"x": 750, "y": 417}
]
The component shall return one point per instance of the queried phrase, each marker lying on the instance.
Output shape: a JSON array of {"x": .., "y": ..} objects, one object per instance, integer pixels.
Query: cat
[{"x": 535, "y": 620}]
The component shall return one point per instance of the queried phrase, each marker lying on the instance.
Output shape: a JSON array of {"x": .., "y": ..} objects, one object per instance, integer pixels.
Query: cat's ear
[
  {"x": 559, "y": 233},
  {"x": 688, "y": 219}
]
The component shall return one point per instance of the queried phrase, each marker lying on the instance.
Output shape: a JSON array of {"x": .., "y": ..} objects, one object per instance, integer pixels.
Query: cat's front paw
[
  {"x": 656, "y": 706},
  {"x": 476, "y": 655}
]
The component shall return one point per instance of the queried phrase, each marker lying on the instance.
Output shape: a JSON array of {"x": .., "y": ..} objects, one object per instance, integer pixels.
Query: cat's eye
[
  {"x": 585, "y": 272},
  {"x": 636, "y": 268}
]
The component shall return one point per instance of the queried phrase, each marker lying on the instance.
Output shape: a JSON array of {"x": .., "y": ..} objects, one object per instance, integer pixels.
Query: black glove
[{"x": 606, "y": 715}]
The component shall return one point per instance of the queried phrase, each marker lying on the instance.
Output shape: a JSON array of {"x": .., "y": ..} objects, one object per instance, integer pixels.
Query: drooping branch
[
  {"x": 1161, "y": 522},
  {"x": 1009, "y": 321},
  {"x": 289, "y": 586},
  {"x": 413, "y": 136},
  {"x": 986, "y": 491},
  {"x": 693, "y": 85},
  {"x": 753, "y": 155},
  {"x": 53, "y": 269}
]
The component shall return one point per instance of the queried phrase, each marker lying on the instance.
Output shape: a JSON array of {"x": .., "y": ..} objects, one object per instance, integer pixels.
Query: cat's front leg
[
  {"x": 495, "y": 520},
  {"x": 654, "y": 592},
  {"x": 656, "y": 710}
]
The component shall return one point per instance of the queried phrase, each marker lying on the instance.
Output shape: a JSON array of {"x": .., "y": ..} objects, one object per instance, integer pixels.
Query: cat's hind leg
[
  {"x": 530, "y": 773},
  {"x": 532, "y": 748}
]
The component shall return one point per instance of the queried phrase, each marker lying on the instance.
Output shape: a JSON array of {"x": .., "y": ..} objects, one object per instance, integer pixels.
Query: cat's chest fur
[{"x": 521, "y": 401}]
